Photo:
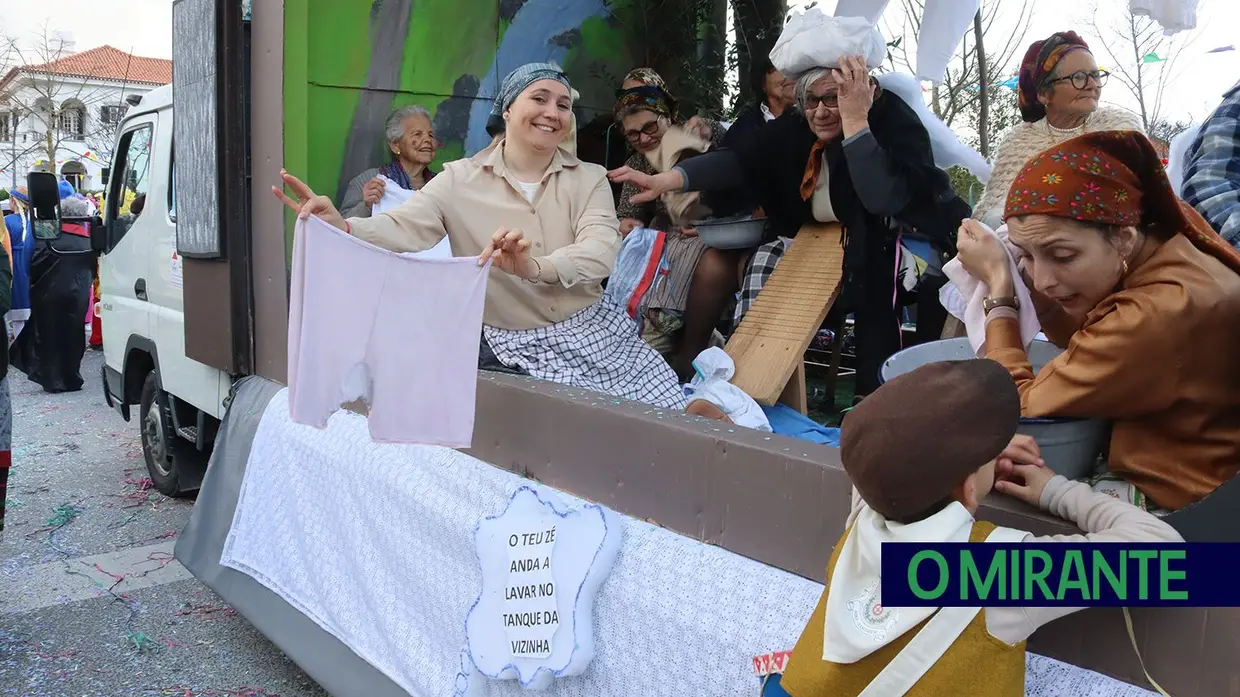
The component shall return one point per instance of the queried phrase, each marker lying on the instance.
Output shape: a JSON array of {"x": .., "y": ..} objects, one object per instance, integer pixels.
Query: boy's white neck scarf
[{"x": 857, "y": 623}]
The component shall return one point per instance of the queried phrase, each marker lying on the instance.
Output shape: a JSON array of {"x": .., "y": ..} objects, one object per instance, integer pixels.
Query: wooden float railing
[{"x": 783, "y": 502}]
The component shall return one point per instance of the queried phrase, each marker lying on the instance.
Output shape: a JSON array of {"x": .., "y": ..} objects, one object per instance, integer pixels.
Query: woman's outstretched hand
[
  {"x": 651, "y": 186},
  {"x": 306, "y": 202},
  {"x": 510, "y": 252}
]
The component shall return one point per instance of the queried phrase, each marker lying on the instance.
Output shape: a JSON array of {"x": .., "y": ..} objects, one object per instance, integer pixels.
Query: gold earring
[{"x": 1124, "y": 263}]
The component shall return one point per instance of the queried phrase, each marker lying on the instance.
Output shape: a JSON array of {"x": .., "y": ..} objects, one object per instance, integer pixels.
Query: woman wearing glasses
[
  {"x": 644, "y": 111},
  {"x": 1060, "y": 85},
  {"x": 851, "y": 153}
]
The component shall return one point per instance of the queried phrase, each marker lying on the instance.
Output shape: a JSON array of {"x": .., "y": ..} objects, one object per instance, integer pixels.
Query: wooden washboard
[{"x": 769, "y": 345}]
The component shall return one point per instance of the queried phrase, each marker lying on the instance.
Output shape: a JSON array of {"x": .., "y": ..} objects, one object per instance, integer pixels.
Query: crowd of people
[
  {"x": 1140, "y": 291},
  {"x": 1122, "y": 272}
]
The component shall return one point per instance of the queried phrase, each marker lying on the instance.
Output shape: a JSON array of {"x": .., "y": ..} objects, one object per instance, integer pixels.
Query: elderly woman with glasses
[
  {"x": 851, "y": 153},
  {"x": 645, "y": 110},
  {"x": 1059, "y": 88}
]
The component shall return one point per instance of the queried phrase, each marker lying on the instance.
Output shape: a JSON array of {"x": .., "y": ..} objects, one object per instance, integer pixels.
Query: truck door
[
  {"x": 125, "y": 270},
  {"x": 180, "y": 375}
]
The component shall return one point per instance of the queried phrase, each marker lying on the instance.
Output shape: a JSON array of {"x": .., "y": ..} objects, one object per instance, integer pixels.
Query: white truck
[{"x": 180, "y": 401}]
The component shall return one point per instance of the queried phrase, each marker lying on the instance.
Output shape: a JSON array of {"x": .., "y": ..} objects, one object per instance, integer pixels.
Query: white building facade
[{"x": 61, "y": 116}]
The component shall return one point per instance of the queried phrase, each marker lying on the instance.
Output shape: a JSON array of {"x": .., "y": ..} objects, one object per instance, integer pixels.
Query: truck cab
[{"x": 179, "y": 401}]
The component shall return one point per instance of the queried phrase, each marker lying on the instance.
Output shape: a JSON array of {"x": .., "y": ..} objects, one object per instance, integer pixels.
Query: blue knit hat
[
  {"x": 521, "y": 78},
  {"x": 66, "y": 190}
]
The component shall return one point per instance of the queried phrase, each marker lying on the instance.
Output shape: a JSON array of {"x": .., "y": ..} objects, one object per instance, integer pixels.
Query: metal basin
[
  {"x": 739, "y": 232},
  {"x": 1070, "y": 446}
]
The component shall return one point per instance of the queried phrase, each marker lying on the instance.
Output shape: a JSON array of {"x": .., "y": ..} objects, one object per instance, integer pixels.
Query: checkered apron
[{"x": 596, "y": 349}]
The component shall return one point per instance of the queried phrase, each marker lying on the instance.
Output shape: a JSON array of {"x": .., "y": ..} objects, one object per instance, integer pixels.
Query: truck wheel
[{"x": 166, "y": 453}]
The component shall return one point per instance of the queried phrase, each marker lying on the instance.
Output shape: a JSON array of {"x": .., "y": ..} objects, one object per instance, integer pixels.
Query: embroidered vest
[{"x": 975, "y": 659}]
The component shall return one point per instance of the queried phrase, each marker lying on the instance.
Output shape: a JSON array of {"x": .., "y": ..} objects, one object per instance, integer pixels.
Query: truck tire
[{"x": 167, "y": 455}]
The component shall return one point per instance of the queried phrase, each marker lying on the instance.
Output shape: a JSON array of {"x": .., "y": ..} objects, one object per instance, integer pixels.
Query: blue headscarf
[
  {"x": 523, "y": 77},
  {"x": 66, "y": 190}
]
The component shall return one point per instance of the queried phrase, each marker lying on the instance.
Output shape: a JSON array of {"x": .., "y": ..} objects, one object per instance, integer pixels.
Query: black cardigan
[{"x": 887, "y": 172}]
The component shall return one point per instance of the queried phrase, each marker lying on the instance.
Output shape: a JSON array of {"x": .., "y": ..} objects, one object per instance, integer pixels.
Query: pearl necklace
[{"x": 1069, "y": 132}]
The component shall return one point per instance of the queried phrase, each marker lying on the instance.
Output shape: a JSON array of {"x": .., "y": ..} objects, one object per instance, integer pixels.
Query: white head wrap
[{"x": 814, "y": 40}]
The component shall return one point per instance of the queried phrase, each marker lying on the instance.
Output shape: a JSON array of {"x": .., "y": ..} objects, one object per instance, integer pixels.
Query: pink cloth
[{"x": 400, "y": 330}]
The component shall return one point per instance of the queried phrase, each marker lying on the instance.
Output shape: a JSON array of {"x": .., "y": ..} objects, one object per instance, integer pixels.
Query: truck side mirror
[
  {"x": 45, "y": 204},
  {"x": 98, "y": 235}
]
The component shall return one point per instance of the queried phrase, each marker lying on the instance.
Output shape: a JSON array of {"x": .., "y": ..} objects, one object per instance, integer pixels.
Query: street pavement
[{"x": 92, "y": 604}]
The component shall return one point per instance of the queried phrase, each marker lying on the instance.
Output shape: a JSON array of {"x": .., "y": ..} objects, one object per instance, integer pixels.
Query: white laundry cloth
[
  {"x": 871, "y": 10},
  {"x": 1177, "y": 156},
  {"x": 399, "y": 330},
  {"x": 814, "y": 40},
  {"x": 943, "y": 24},
  {"x": 963, "y": 295},
  {"x": 714, "y": 368},
  {"x": 948, "y": 150},
  {"x": 1174, "y": 15},
  {"x": 393, "y": 196},
  {"x": 397, "y": 588}
]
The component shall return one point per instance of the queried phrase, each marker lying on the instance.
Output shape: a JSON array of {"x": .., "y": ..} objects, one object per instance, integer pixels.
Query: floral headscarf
[
  {"x": 1112, "y": 178},
  {"x": 1040, "y": 59},
  {"x": 652, "y": 96}
]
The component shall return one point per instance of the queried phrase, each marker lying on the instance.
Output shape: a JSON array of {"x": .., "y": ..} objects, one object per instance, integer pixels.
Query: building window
[
  {"x": 73, "y": 121},
  {"x": 111, "y": 114},
  {"x": 6, "y": 127}
]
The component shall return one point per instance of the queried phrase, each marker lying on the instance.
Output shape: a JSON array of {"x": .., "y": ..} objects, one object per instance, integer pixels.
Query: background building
[{"x": 59, "y": 112}]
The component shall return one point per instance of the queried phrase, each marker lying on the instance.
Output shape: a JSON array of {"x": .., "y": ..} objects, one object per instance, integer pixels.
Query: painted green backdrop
[{"x": 348, "y": 63}]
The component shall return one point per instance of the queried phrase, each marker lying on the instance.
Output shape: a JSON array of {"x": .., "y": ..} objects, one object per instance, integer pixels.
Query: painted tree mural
[{"x": 355, "y": 61}]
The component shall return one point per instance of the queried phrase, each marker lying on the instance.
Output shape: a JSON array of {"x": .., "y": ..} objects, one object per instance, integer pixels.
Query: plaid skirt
[
  {"x": 6, "y": 443},
  {"x": 761, "y": 265},
  {"x": 596, "y": 349}
]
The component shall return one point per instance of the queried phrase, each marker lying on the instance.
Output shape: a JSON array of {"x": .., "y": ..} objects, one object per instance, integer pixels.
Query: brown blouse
[{"x": 1158, "y": 358}]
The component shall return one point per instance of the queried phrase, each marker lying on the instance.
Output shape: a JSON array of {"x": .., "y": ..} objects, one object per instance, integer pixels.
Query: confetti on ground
[
  {"x": 207, "y": 611},
  {"x": 184, "y": 691}
]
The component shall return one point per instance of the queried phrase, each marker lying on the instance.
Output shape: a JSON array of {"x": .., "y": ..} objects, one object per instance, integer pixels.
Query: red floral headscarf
[
  {"x": 1112, "y": 178},
  {"x": 1040, "y": 59}
]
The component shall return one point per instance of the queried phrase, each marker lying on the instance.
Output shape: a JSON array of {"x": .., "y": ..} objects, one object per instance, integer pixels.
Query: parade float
[{"x": 583, "y": 544}]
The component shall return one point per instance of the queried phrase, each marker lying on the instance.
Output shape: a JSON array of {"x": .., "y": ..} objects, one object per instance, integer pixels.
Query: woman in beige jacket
[{"x": 548, "y": 223}]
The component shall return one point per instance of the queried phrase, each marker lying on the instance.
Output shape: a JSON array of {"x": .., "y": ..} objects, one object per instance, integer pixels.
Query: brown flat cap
[{"x": 907, "y": 445}]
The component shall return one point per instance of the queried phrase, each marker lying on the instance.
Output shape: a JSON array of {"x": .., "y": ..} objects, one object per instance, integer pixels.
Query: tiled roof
[{"x": 108, "y": 63}]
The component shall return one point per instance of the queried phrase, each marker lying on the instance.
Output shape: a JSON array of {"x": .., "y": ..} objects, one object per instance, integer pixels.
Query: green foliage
[{"x": 966, "y": 185}]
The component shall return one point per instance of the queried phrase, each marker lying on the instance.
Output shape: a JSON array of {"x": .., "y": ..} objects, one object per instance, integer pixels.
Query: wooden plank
[
  {"x": 795, "y": 393},
  {"x": 771, "y": 340}
]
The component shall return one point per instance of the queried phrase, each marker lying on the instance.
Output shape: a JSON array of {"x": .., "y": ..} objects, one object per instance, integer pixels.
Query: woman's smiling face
[{"x": 541, "y": 115}]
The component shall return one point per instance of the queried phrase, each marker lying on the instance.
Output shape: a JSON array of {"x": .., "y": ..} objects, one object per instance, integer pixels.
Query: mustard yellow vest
[{"x": 976, "y": 658}]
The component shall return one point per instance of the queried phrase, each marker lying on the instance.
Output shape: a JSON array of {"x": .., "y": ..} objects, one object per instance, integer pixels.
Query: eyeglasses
[
  {"x": 1080, "y": 79},
  {"x": 812, "y": 101},
  {"x": 649, "y": 130}
]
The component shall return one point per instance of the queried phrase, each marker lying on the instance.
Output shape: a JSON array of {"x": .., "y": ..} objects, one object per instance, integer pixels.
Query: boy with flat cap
[{"x": 922, "y": 453}]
